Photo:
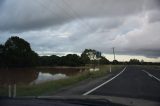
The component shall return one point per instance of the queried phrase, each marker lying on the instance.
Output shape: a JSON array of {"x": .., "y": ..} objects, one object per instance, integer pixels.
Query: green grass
[
  {"x": 53, "y": 86},
  {"x": 3, "y": 91}
]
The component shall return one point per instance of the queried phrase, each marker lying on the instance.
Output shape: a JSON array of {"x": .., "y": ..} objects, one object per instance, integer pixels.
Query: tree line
[{"x": 16, "y": 52}]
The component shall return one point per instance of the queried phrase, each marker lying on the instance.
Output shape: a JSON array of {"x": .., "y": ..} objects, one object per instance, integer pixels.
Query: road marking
[
  {"x": 104, "y": 82},
  {"x": 151, "y": 75}
]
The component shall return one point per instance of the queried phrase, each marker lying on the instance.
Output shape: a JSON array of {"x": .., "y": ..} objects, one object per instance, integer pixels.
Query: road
[{"x": 134, "y": 81}]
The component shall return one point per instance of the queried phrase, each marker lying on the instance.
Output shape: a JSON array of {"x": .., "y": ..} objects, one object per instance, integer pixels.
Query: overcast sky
[{"x": 70, "y": 26}]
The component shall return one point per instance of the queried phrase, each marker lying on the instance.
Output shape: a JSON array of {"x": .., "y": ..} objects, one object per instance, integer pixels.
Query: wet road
[{"x": 134, "y": 81}]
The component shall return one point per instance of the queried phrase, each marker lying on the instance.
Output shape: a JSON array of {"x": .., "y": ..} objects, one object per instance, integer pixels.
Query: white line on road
[
  {"x": 104, "y": 83},
  {"x": 151, "y": 75}
]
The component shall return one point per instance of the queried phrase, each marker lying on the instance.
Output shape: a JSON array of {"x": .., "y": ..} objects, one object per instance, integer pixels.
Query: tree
[
  {"x": 84, "y": 56},
  {"x": 2, "y": 60},
  {"x": 71, "y": 60},
  {"x": 18, "y": 53},
  {"x": 142, "y": 61},
  {"x": 89, "y": 55},
  {"x": 134, "y": 61},
  {"x": 52, "y": 60},
  {"x": 55, "y": 60},
  {"x": 115, "y": 62},
  {"x": 103, "y": 60}
]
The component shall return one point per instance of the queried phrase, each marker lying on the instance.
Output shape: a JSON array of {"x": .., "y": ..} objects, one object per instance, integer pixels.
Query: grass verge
[{"x": 53, "y": 86}]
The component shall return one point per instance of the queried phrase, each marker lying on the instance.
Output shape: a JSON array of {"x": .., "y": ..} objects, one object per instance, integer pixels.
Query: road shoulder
[{"x": 83, "y": 86}]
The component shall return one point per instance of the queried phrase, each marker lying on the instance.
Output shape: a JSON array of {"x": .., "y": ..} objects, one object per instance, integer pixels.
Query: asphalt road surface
[{"x": 133, "y": 81}]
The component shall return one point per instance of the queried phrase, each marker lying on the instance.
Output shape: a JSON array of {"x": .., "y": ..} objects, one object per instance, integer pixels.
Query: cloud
[
  {"x": 141, "y": 41},
  {"x": 2, "y": 1},
  {"x": 154, "y": 16},
  {"x": 22, "y": 15},
  {"x": 132, "y": 27}
]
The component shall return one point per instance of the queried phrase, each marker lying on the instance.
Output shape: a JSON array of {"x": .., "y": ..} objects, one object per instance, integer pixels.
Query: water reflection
[
  {"x": 35, "y": 76},
  {"x": 43, "y": 77},
  {"x": 93, "y": 69},
  {"x": 17, "y": 76},
  {"x": 63, "y": 70}
]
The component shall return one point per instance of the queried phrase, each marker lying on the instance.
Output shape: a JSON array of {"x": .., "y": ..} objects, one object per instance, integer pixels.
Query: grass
[{"x": 53, "y": 86}]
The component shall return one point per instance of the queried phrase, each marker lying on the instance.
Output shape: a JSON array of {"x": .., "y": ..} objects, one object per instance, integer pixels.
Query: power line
[
  {"x": 76, "y": 15},
  {"x": 66, "y": 12},
  {"x": 52, "y": 11},
  {"x": 46, "y": 7}
]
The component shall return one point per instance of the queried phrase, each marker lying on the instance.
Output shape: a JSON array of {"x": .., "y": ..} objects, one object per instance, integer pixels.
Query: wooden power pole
[{"x": 114, "y": 53}]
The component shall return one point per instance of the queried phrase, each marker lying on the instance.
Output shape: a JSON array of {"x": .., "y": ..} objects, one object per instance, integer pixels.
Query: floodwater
[{"x": 35, "y": 76}]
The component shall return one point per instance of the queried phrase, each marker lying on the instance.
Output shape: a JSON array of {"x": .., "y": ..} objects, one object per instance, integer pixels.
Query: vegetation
[
  {"x": 1, "y": 56},
  {"x": 142, "y": 62},
  {"x": 16, "y": 52},
  {"x": 53, "y": 86},
  {"x": 103, "y": 60},
  {"x": 52, "y": 60},
  {"x": 134, "y": 61},
  {"x": 90, "y": 56},
  {"x": 115, "y": 62},
  {"x": 68, "y": 60}
]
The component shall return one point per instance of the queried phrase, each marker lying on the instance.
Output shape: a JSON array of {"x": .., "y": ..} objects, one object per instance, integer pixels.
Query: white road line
[
  {"x": 104, "y": 82},
  {"x": 151, "y": 75}
]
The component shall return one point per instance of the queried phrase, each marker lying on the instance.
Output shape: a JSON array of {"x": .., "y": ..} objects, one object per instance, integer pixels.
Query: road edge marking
[
  {"x": 150, "y": 75},
  {"x": 86, "y": 93}
]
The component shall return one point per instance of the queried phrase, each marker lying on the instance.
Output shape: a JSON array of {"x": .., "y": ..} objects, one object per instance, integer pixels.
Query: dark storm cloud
[
  {"x": 1, "y": 2},
  {"x": 132, "y": 26},
  {"x": 22, "y": 15},
  {"x": 154, "y": 16}
]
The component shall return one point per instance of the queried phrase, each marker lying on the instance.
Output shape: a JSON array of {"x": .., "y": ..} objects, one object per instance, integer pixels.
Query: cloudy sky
[{"x": 70, "y": 26}]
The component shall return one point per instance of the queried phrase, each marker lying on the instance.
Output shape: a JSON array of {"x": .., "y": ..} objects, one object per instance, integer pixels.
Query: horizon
[
  {"x": 110, "y": 57},
  {"x": 61, "y": 27}
]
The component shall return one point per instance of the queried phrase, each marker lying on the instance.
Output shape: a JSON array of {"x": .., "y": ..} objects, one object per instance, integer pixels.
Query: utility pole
[{"x": 114, "y": 53}]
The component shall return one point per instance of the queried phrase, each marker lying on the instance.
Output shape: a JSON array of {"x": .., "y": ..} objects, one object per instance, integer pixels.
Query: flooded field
[
  {"x": 35, "y": 76},
  {"x": 42, "y": 80}
]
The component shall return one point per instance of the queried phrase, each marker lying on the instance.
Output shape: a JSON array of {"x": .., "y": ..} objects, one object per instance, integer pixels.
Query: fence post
[
  {"x": 14, "y": 91},
  {"x": 110, "y": 68},
  {"x": 9, "y": 90}
]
